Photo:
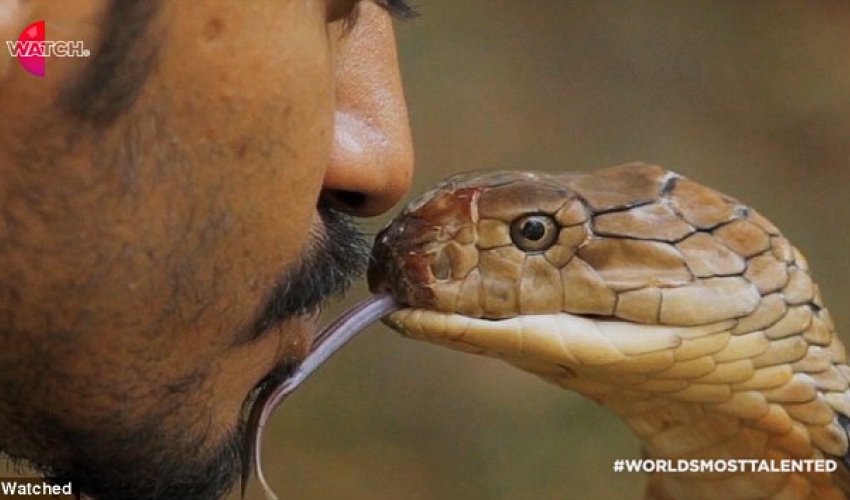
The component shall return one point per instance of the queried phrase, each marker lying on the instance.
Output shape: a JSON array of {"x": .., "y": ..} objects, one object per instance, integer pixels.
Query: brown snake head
[{"x": 684, "y": 311}]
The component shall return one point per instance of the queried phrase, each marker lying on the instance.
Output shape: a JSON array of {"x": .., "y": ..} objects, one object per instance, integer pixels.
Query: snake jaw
[{"x": 563, "y": 346}]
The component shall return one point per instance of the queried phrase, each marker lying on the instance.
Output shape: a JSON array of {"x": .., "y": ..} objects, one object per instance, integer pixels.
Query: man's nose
[{"x": 371, "y": 162}]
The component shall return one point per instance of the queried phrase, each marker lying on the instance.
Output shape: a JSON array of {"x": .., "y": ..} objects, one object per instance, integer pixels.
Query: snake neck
[
  {"x": 680, "y": 430},
  {"x": 676, "y": 430}
]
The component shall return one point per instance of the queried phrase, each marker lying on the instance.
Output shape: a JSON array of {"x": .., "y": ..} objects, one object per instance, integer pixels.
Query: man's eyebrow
[{"x": 398, "y": 9}]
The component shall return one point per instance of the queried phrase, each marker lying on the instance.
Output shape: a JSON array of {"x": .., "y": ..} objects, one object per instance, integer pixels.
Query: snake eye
[{"x": 534, "y": 233}]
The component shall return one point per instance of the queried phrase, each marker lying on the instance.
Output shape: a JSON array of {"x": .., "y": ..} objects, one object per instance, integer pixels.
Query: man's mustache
[{"x": 336, "y": 257}]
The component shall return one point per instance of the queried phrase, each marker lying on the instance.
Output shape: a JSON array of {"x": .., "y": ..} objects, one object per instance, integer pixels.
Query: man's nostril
[{"x": 347, "y": 201}]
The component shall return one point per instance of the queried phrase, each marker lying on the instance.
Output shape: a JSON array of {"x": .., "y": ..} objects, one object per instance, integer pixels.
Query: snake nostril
[{"x": 441, "y": 266}]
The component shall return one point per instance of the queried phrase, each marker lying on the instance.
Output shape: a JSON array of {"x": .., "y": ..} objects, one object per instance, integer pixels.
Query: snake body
[{"x": 684, "y": 311}]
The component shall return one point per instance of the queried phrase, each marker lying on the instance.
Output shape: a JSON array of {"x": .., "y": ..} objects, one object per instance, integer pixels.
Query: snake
[{"x": 683, "y": 311}]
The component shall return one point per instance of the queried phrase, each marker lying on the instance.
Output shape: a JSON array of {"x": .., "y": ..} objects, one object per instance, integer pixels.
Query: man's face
[{"x": 166, "y": 222}]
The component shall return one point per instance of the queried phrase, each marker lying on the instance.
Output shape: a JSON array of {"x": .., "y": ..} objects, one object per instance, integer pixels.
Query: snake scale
[{"x": 682, "y": 310}]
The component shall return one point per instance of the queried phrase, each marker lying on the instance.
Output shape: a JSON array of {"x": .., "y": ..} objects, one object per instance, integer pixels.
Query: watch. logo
[{"x": 32, "y": 49}]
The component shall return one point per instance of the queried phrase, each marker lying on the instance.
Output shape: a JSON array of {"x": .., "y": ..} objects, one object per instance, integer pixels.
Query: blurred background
[{"x": 751, "y": 98}]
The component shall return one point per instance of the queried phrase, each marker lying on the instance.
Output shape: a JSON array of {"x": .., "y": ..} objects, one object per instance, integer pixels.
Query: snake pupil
[{"x": 533, "y": 229}]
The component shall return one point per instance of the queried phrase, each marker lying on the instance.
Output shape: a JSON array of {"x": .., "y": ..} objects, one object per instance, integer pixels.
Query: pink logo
[
  {"x": 32, "y": 49},
  {"x": 29, "y": 59}
]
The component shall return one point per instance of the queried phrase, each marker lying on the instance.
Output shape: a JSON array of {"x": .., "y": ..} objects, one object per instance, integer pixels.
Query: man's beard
[
  {"x": 149, "y": 462},
  {"x": 145, "y": 463}
]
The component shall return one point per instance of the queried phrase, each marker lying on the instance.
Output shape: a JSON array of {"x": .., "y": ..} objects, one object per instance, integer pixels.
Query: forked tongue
[{"x": 326, "y": 343}]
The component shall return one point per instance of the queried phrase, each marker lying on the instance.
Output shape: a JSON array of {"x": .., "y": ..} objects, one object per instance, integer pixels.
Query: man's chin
[{"x": 145, "y": 466}]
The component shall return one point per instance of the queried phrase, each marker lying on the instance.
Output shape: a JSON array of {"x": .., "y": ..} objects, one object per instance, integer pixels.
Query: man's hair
[{"x": 114, "y": 77}]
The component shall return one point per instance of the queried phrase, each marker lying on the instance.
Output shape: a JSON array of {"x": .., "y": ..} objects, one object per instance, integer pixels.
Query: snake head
[
  {"x": 637, "y": 243},
  {"x": 463, "y": 245}
]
